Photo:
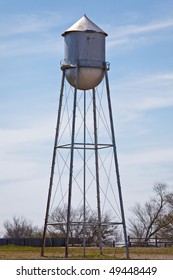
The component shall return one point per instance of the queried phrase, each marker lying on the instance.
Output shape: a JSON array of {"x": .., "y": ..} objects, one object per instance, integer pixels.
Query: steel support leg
[
  {"x": 116, "y": 163},
  {"x": 53, "y": 164},
  {"x": 84, "y": 178},
  {"x": 71, "y": 166},
  {"x": 97, "y": 172}
]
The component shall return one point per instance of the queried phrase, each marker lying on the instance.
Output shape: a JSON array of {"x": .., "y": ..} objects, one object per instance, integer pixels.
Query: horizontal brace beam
[
  {"x": 87, "y": 146},
  {"x": 82, "y": 223}
]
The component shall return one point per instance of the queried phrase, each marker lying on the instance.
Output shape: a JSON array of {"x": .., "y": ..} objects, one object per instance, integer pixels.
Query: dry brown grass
[{"x": 12, "y": 252}]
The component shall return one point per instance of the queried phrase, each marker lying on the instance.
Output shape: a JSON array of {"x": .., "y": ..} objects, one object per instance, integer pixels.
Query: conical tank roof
[{"x": 83, "y": 25}]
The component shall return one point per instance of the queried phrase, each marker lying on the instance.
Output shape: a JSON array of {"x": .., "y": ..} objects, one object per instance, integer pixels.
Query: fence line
[
  {"x": 33, "y": 242},
  {"x": 152, "y": 242},
  {"x": 60, "y": 242}
]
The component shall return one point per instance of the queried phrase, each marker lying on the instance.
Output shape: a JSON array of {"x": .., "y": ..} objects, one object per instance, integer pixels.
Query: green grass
[{"x": 13, "y": 252}]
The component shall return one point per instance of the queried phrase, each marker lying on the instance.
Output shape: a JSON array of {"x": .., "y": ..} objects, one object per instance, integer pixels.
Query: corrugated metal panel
[{"x": 85, "y": 25}]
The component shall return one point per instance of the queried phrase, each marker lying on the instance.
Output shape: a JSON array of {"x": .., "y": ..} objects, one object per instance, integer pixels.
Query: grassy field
[{"x": 12, "y": 252}]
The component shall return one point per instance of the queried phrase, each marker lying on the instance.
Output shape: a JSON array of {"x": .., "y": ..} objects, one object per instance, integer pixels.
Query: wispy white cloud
[
  {"x": 139, "y": 29},
  {"x": 154, "y": 156},
  {"x": 136, "y": 95},
  {"x": 22, "y": 150},
  {"x": 29, "y": 34},
  {"x": 128, "y": 33},
  {"x": 154, "y": 91},
  {"x": 23, "y": 46},
  {"x": 18, "y": 24},
  {"x": 140, "y": 170}
]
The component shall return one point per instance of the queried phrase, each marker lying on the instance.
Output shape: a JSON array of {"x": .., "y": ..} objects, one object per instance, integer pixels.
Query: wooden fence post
[{"x": 129, "y": 242}]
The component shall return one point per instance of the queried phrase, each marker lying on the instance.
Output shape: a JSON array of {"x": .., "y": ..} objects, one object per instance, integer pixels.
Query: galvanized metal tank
[{"x": 85, "y": 48}]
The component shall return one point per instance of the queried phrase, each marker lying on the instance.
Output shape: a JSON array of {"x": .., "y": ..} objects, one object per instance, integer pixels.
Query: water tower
[{"x": 84, "y": 171}]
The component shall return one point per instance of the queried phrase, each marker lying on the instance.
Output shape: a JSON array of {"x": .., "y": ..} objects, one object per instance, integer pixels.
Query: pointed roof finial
[{"x": 84, "y": 24}]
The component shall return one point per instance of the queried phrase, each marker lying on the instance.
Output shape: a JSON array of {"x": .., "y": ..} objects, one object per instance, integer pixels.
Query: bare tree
[
  {"x": 170, "y": 200},
  {"x": 19, "y": 227},
  {"x": 59, "y": 216},
  {"x": 154, "y": 217}
]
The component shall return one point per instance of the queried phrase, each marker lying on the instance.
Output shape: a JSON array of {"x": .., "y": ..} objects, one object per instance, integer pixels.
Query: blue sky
[{"x": 139, "y": 48}]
